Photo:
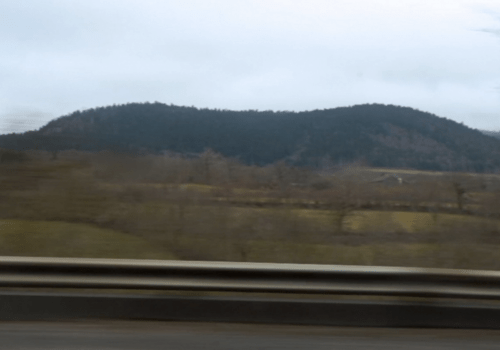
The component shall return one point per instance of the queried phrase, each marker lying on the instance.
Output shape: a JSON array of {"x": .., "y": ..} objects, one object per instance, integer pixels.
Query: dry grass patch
[{"x": 60, "y": 239}]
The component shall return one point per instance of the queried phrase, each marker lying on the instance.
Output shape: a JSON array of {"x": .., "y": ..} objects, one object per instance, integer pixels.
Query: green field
[
  {"x": 242, "y": 235},
  {"x": 60, "y": 239},
  {"x": 393, "y": 221}
]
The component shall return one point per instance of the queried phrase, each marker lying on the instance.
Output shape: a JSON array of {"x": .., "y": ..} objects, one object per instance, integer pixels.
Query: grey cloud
[
  {"x": 59, "y": 56},
  {"x": 492, "y": 14},
  {"x": 495, "y": 32},
  {"x": 20, "y": 120}
]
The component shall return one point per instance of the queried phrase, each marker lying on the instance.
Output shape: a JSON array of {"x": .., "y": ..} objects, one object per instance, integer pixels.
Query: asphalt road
[{"x": 207, "y": 336}]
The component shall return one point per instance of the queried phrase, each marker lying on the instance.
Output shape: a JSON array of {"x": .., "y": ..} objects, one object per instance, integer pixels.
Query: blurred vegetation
[{"x": 213, "y": 208}]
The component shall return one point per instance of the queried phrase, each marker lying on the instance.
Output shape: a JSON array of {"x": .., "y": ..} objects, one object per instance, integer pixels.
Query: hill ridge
[{"x": 379, "y": 135}]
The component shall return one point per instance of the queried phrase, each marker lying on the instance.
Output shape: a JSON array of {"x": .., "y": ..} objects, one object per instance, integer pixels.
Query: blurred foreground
[
  {"x": 77, "y": 204},
  {"x": 187, "y": 336}
]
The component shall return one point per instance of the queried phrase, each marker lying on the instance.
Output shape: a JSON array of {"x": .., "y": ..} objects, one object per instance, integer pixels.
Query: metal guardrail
[{"x": 30, "y": 272}]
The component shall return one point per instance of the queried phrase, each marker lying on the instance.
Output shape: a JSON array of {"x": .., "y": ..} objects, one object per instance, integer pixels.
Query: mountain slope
[
  {"x": 495, "y": 134},
  {"x": 381, "y": 135}
]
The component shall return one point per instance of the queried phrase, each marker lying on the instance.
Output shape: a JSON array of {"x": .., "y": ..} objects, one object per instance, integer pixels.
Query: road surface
[{"x": 207, "y": 336}]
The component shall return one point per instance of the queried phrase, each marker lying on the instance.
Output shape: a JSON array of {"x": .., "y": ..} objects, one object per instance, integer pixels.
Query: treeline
[
  {"x": 353, "y": 185},
  {"x": 208, "y": 168},
  {"x": 495, "y": 134}
]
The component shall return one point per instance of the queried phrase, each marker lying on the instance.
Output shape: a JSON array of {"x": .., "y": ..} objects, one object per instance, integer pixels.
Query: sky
[{"x": 438, "y": 56}]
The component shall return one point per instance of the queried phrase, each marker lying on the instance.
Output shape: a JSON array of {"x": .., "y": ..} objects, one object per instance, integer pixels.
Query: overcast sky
[{"x": 440, "y": 56}]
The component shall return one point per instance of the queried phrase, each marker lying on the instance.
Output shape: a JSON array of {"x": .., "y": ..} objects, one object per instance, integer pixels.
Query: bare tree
[
  {"x": 459, "y": 193},
  {"x": 341, "y": 200},
  {"x": 459, "y": 187}
]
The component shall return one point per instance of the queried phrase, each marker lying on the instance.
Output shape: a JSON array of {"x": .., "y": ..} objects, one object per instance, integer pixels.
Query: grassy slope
[
  {"x": 468, "y": 256},
  {"x": 60, "y": 239},
  {"x": 306, "y": 236},
  {"x": 393, "y": 221},
  {"x": 248, "y": 234},
  {"x": 153, "y": 220}
]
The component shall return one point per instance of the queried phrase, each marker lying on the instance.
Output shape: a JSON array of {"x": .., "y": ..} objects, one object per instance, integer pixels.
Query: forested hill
[
  {"x": 495, "y": 134},
  {"x": 380, "y": 135}
]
